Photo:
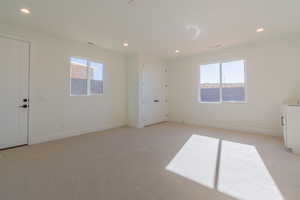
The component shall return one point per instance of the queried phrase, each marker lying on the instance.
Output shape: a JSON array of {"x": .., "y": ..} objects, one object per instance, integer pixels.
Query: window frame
[
  {"x": 221, "y": 84},
  {"x": 88, "y": 75}
]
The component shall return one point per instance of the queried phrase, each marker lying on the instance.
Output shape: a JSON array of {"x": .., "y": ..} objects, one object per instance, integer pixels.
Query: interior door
[
  {"x": 155, "y": 103},
  {"x": 14, "y": 103}
]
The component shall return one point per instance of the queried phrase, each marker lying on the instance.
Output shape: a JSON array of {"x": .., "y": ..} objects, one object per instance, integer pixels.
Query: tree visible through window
[
  {"x": 223, "y": 82},
  {"x": 86, "y": 77}
]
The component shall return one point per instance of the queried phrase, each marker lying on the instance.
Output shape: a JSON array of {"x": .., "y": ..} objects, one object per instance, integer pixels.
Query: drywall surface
[
  {"x": 53, "y": 112},
  {"x": 272, "y": 70}
]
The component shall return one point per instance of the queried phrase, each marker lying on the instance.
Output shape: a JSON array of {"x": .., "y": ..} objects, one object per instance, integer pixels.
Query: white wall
[
  {"x": 53, "y": 113},
  {"x": 273, "y": 74},
  {"x": 134, "y": 91}
]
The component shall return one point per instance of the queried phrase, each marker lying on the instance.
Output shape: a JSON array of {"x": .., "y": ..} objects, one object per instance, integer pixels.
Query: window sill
[
  {"x": 91, "y": 95},
  {"x": 235, "y": 102},
  {"x": 203, "y": 102},
  {"x": 224, "y": 102}
]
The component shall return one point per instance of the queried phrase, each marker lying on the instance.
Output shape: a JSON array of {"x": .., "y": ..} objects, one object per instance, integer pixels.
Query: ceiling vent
[{"x": 131, "y": 2}]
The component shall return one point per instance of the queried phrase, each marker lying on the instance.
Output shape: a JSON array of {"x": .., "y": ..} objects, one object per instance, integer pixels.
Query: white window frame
[
  {"x": 221, "y": 84},
  {"x": 88, "y": 75}
]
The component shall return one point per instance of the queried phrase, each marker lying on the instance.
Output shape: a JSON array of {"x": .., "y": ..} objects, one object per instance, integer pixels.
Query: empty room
[{"x": 149, "y": 100}]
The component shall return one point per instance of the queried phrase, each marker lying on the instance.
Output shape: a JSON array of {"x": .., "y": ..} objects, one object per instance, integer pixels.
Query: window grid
[
  {"x": 89, "y": 79},
  {"x": 221, "y": 86},
  {"x": 88, "y": 93}
]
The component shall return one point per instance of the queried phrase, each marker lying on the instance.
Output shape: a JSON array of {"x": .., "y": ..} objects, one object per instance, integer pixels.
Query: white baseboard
[
  {"x": 263, "y": 131},
  {"x": 66, "y": 134}
]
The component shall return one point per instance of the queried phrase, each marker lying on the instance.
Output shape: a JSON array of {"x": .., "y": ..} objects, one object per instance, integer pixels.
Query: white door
[
  {"x": 154, "y": 89},
  {"x": 14, "y": 65}
]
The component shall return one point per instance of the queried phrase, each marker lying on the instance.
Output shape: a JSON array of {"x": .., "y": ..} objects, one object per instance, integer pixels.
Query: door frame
[
  {"x": 28, "y": 42},
  {"x": 141, "y": 94}
]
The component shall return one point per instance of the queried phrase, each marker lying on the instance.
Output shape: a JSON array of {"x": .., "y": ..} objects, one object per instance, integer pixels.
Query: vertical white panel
[
  {"x": 154, "y": 86},
  {"x": 14, "y": 65}
]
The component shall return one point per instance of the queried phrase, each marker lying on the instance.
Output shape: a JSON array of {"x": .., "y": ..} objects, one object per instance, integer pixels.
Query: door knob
[
  {"x": 156, "y": 100},
  {"x": 24, "y": 106}
]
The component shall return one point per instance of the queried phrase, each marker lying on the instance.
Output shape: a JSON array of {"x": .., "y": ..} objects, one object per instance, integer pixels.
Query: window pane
[
  {"x": 96, "y": 78},
  {"x": 210, "y": 83},
  {"x": 78, "y": 76},
  {"x": 233, "y": 81},
  {"x": 78, "y": 87}
]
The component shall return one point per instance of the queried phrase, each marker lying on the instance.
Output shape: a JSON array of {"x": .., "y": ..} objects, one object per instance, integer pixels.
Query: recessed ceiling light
[
  {"x": 25, "y": 10},
  {"x": 260, "y": 30},
  {"x": 177, "y": 51},
  {"x": 125, "y": 44}
]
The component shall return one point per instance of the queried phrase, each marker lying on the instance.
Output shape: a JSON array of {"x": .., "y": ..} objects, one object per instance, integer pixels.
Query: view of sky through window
[
  {"x": 210, "y": 73},
  {"x": 97, "y": 69},
  {"x": 233, "y": 72}
]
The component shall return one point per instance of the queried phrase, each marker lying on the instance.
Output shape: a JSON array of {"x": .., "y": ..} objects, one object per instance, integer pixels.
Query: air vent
[{"x": 131, "y": 2}]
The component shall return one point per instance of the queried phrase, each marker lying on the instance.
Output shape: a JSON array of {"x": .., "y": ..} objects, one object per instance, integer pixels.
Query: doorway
[
  {"x": 154, "y": 95},
  {"x": 14, "y": 90}
]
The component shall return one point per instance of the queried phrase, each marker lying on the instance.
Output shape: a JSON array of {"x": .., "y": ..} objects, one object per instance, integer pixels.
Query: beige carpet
[{"x": 162, "y": 162}]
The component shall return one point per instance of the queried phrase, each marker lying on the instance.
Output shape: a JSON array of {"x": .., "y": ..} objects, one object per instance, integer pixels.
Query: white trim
[
  {"x": 28, "y": 93},
  {"x": 14, "y": 38},
  {"x": 88, "y": 83},
  {"x": 206, "y": 102},
  {"x": 234, "y": 102},
  {"x": 198, "y": 84},
  {"x": 88, "y": 95},
  {"x": 226, "y": 126},
  {"x": 221, "y": 84}
]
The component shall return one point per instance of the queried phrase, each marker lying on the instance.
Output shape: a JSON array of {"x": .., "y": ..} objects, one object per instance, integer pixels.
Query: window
[
  {"x": 233, "y": 81},
  {"x": 222, "y": 82},
  {"x": 86, "y": 77},
  {"x": 210, "y": 83}
]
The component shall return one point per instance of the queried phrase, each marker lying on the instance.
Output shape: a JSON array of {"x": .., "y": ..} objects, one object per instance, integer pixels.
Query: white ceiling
[{"x": 157, "y": 27}]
